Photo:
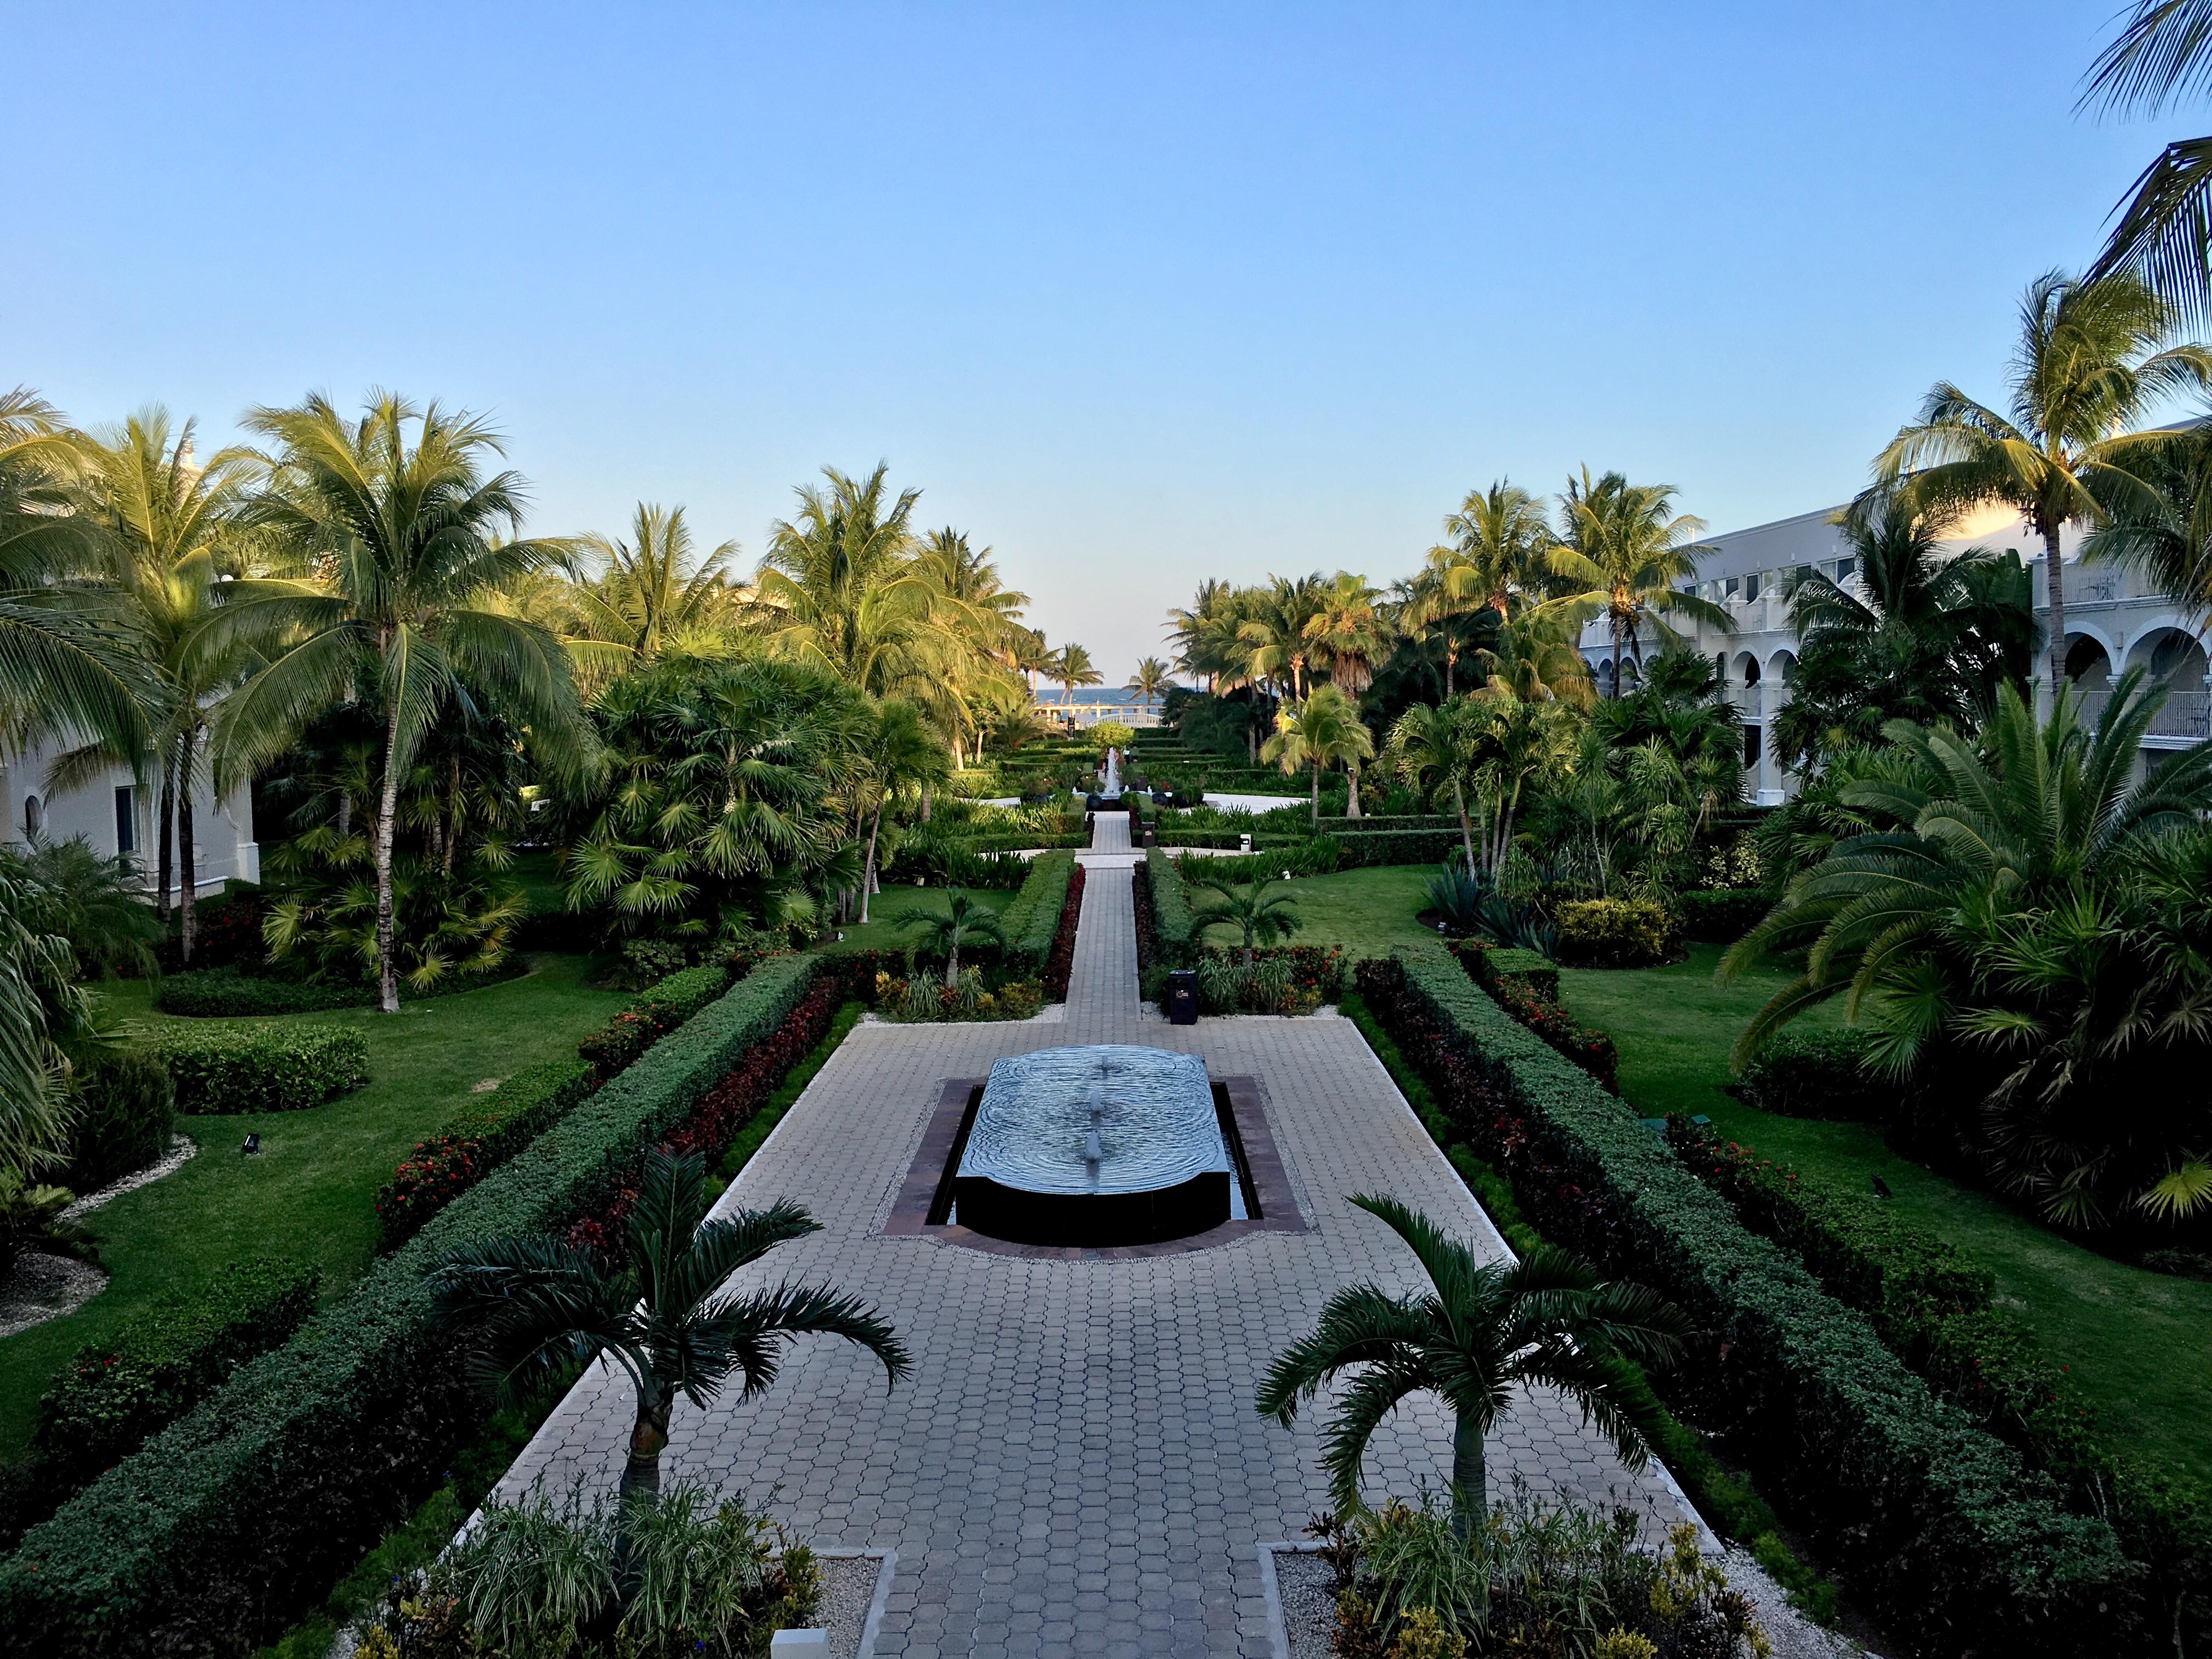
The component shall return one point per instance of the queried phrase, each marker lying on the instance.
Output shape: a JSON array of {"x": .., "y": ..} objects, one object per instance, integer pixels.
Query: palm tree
[
  {"x": 401, "y": 536},
  {"x": 1482, "y": 1330},
  {"x": 2163, "y": 232},
  {"x": 838, "y": 588},
  {"x": 1261, "y": 911},
  {"x": 1072, "y": 667},
  {"x": 1150, "y": 679},
  {"x": 43, "y": 1011},
  {"x": 1623, "y": 549},
  {"x": 1513, "y": 744},
  {"x": 1499, "y": 548},
  {"x": 962, "y": 923},
  {"x": 1321, "y": 732},
  {"x": 654, "y": 590},
  {"x": 1535, "y": 658},
  {"x": 2092, "y": 362},
  {"x": 540, "y": 1306},
  {"x": 1347, "y": 633},
  {"x": 1433, "y": 744},
  {"x": 1273, "y": 629},
  {"x": 1029, "y": 654},
  {"x": 902, "y": 754}
]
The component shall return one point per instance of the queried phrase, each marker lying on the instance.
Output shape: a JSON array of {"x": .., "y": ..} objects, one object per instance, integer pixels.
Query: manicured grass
[
  {"x": 882, "y": 933},
  {"x": 1365, "y": 911},
  {"x": 310, "y": 1191},
  {"x": 2140, "y": 1343}
]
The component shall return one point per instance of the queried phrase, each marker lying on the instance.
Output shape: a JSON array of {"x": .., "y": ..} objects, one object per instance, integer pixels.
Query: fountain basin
[{"x": 1096, "y": 1146}]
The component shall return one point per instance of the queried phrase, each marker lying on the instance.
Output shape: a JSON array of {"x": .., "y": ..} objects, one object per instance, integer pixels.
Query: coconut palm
[
  {"x": 902, "y": 754},
  {"x": 1482, "y": 1330},
  {"x": 656, "y": 590},
  {"x": 1150, "y": 679},
  {"x": 1535, "y": 658},
  {"x": 1273, "y": 629},
  {"x": 1070, "y": 668},
  {"x": 1622, "y": 552},
  {"x": 2092, "y": 362},
  {"x": 838, "y": 588},
  {"x": 1497, "y": 550},
  {"x": 1433, "y": 744},
  {"x": 396, "y": 518},
  {"x": 540, "y": 1306},
  {"x": 962, "y": 923},
  {"x": 2163, "y": 232},
  {"x": 1347, "y": 633},
  {"x": 1322, "y": 731},
  {"x": 1261, "y": 911}
]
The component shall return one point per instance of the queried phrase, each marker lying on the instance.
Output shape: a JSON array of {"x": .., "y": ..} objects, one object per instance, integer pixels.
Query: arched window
[{"x": 34, "y": 817}]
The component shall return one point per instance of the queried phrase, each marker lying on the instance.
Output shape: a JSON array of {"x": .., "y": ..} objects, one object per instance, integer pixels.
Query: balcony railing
[{"x": 2183, "y": 714}]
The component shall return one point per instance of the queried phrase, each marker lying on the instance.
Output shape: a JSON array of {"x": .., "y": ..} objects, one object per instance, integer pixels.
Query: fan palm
[
  {"x": 661, "y": 1314},
  {"x": 654, "y": 589},
  {"x": 962, "y": 923},
  {"x": 2092, "y": 362},
  {"x": 1260, "y": 910},
  {"x": 1322, "y": 731},
  {"x": 401, "y": 534},
  {"x": 1481, "y": 1330},
  {"x": 1622, "y": 552},
  {"x": 1348, "y": 634}
]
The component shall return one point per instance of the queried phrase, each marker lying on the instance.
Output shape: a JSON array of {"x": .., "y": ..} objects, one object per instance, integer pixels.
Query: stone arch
[
  {"x": 1631, "y": 678},
  {"x": 2088, "y": 661},
  {"x": 1745, "y": 670},
  {"x": 2170, "y": 655},
  {"x": 1779, "y": 665}
]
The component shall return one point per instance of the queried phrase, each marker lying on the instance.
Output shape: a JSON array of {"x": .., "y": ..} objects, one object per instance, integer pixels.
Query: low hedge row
[
  {"x": 1721, "y": 915},
  {"x": 657, "y": 1010},
  {"x": 229, "y": 1521},
  {"x": 1384, "y": 823},
  {"x": 227, "y": 993},
  {"x": 1945, "y": 1535},
  {"x": 1821, "y": 1074},
  {"x": 1491, "y": 963},
  {"x": 124, "y": 1109},
  {"x": 1031, "y": 920},
  {"x": 1520, "y": 995},
  {"x": 231, "y": 1069},
  {"x": 1934, "y": 1307},
  {"x": 1394, "y": 847},
  {"x": 1173, "y": 923},
  {"x": 475, "y": 1140},
  {"x": 1316, "y": 855}
]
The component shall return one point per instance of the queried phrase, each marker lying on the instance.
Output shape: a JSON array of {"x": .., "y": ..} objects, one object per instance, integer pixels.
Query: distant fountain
[
  {"x": 1110, "y": 789},
  {"x": 1096, "y": 1147}
]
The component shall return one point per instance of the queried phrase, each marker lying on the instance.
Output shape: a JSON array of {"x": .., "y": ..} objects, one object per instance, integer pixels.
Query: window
[
  {"x": 1730, "y": 588},
  {"x": 1751, "y": 585},
  {"x": 1751, "y": 745},
  {"x": 126, "y": 821},
  {"x": 1845, "y": 569},
  {"x": 35, "y": 819}
]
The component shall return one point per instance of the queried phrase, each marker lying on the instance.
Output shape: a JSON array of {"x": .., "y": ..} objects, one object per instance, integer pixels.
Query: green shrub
[
  {"x": 1721, "y": 915},
  {"x": 161, "y": 1364},
  {"x": 1030, "y": 920},
  {"x": 1818, "y": 1074},
  {"x": 1172, "y": 917},
  {"x": 228, "y": 1521},
  {"x": 231, "y": 1069},
  {"x": 124, "y": 1109},
  {"x": 1941, "y": 1529},
  {"x": 1492, "y": 963},
  {"x": 1610, "y": 933},
  {"x": 1369, "y": 849},
  {"x": 1316, "y": 855},
  {"x": 474, "y": 1141},
  {"x": 227, "y": 993}
]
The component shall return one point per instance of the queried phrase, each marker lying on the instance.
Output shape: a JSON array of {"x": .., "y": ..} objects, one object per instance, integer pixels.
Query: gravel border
[
  {"x": 181, "y": 1147},
  {"x": 44, "y": 1287},
  {"x": 855, "y": 1585}
]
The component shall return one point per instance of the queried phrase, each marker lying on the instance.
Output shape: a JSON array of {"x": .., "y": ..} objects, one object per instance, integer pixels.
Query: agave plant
[{"x": 1471, "y": 907}]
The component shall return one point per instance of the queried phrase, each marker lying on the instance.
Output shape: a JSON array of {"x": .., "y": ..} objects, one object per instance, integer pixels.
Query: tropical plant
[
  {"x": 1536, "y": 657},
  {"x": 43, "y": 1013},
  {"x": 1070, "y": 668},
  {"x": 1482, "y": 1329},
  {"x": 2163, "y": 231},
  {"x": 901, "y": 756},
  {"x": 1470, "y": 905},
  {"x": 1152, "y": 678},
  {"x": 1622, "y": 554},
  {"x": 964, "y": 921},
  {"x": 1261, "y": 911},
  {"x": 1432, "y": 746},
  {"x": 839, "y": 589},
  {"x": 1498, "y": 550},
  {"x": 1920, "y": 634},
  {"x": 1347, "y": 633},
  {"x": 654, "y": 591},
  {"x": 2092, "y": 361},
  {"x": 1273, "y": 627},
  {"x": 94, "y": 901},
  {"x": 1324, "y": 730},
  {"x": 540, "y": 1308},
  {"x": 402, "y": 536}
]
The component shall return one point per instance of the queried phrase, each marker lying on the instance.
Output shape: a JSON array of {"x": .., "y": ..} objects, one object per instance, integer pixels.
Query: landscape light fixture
[{"x": 251, "y": 1145}]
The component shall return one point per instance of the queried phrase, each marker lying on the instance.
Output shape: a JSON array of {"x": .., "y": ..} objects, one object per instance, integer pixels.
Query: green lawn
[
  {"x": 310, "y": 1191},
  {"x": 2140, "y": 1343},
  {"x": 882, "y": 933},
  {"x": 1365, "y": 911}
]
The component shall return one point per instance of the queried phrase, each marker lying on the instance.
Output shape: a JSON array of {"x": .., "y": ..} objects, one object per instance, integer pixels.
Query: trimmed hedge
[
  {"x": 1384, "y": 823},
  {"x": 657, "y": 1010},
  {"x": 1490, "y": 964},
  {"x": 1820, "y": 1074},
  {"x": 1943, "y": 1533},
  {"x": 161, "y": 1364},
  {"x": 1721, "y": 915},
  {"x": 227, "y": 993},
  {"x": 1030, "y": 920},
  {"x": 1173, "y": 923},
  {"x": 1395, "y": 847},
  {"x": 1586, "y": 1046},
  {"x": 475, "y": 1140},
  {"x": 225, "y": 1522},
  {"x": 1059, "y": 960},
  {"x": 233, "y": 1069},
  {"x": 125, "y": 1108}
]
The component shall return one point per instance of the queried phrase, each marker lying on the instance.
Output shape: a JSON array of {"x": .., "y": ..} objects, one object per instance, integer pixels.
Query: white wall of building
[{"x": 115, "y": 816}]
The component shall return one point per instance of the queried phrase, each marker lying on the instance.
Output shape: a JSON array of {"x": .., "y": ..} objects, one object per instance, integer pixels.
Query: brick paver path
[{"x": 1075, "y": 1466}]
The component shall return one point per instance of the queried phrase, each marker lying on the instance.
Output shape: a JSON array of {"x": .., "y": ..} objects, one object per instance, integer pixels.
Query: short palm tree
[
  {"x": 1433, "y": 744},
  {"x": 1260, "y": 910},
  {"x": 1322, "y": 731},
  {"x": 962, "y": 923},
  {"x": 1483, "y": 1329},
  {"x": 1149, "y": 681},
  {"x": 1624, "y": 553},
  {"x": 2093, "y": 361},
  {"x": 403, "y": 537},
  {"x": 543, "y": 1307},
  {"x": 902, "y": 754}
]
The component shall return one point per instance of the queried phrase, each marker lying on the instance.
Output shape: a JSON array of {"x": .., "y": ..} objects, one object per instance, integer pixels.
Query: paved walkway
[{"x": 1075, "y": 1466}]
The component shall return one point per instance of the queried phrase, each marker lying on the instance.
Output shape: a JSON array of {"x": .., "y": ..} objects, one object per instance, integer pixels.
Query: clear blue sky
[{"x": 1137, "y": 294}]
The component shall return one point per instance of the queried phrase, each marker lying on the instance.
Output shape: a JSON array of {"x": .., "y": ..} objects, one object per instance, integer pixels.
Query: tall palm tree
[
  {"x": 1274, "y": 630},
  {"x": 396, "y": 518},
  {"x": 902, "y": 754},
  {"x": 2163, "y": 232},
  {"x": 1152, "y": 676},
  {"x": 1483, "y": 1329},
  {"x": 1205, "y": 635},
  {"x": 1322, "y": 731},
  {"x": 1029, "y": 654},
  {"x": 1536, "y": 659},
  {"x": 962, "y": 923},
  {"x": 654, "y": 589},
  {"x": 1498, "y": 548},
  {"x": 1433, "y": 744},
  {"x": 1260, "y": 910},
  {"x": 1072, "y": 667},
  {"x": 2092, "y": 362},
  {"x": 1347, "y": 633},
  {"x": 838, "y": 587},
  {"x": 1625, "y": 552},
  {"x": 541, "y": 1306}
]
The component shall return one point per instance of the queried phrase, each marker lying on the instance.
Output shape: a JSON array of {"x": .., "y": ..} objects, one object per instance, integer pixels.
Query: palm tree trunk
[
  {"x": 640, "y": 1475},
  {"x": 387, "y": 977},
  {"x": 2056, "y": 580},
  {"x": 453, "y": 812},
  {"x": 187, "y": 860},
  {"x": 1470, "y": 1496},
  {"x": 1351, "y": 806},
  {"x": 1317, "y": 795},
  {"x": 924, "y": 803},
  {"x": 1466, "y": 826},
  {"x": 1452, "y": 662},
  {"x": 952, "y": 963},
  {"x": 165, "y": 867},
  {"x": 868, "y": 868}
]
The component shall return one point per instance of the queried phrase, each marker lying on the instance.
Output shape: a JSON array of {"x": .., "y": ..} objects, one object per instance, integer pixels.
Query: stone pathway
[{"x": 1075, "y": 1466}]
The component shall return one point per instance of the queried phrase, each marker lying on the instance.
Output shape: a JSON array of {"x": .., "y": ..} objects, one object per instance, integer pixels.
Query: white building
[
  {"x": 1088, "y": 705},
  {"x": 117, "y": 817},
  {"x": 2112, "y": 623}
]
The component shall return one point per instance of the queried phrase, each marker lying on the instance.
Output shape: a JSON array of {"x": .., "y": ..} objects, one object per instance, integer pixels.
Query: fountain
[
  {"x": 1109, "y": 787},
  {"x": 1096, "y": 1147}
]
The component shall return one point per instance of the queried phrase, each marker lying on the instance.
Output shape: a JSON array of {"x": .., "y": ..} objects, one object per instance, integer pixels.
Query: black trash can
[{"x": 1182, "y": 996}]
